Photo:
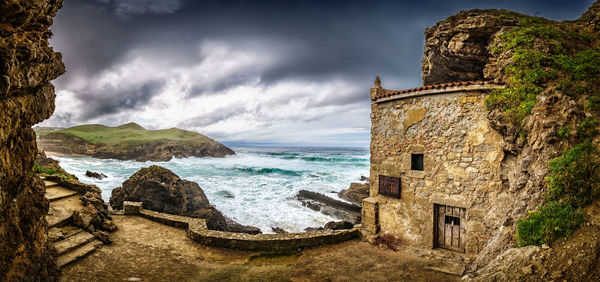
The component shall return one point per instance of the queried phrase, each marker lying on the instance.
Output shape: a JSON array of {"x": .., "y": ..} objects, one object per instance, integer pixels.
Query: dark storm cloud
[
  {"x": 212, "y": 47},
  {"x": 126, "y": 8},
  {"x": 115, "y": 99}
]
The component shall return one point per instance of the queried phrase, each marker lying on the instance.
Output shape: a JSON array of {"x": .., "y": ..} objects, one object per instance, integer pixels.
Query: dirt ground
[{"x": 144, "y": 250}]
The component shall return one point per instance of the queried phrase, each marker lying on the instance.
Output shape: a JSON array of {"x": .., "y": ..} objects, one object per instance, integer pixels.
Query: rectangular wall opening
[{"x": 416, "y": 162}]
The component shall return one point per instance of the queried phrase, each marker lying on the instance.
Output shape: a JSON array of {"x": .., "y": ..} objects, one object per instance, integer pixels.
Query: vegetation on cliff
[
  {"x": 130, "y": 141},
  {"x": 128, "y": 135},
  {"x": 543, "y": 56}
]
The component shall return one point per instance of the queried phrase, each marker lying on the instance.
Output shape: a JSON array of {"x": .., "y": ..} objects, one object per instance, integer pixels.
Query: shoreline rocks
[
  {"x": 355, "y": 193},
  {"x": 161, "y": 190},
  {"x": 329, "y": 206},
  {"x": 96, "y": 175}
]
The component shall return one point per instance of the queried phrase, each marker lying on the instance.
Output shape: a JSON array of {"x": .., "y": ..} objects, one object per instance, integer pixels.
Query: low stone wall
[{"x": 197, "y": 231}]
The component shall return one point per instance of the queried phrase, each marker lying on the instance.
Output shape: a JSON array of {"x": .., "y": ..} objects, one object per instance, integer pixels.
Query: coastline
[{"x": 252, "y": 186}]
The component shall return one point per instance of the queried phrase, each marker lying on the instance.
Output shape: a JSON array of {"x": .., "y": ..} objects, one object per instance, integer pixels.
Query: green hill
[{"x": 129, "y": 141}]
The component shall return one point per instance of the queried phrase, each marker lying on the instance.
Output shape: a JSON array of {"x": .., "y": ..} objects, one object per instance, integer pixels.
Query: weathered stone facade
[{"x": 462, "y": 155}]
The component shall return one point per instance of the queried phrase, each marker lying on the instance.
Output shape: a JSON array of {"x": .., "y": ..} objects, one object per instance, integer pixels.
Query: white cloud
[{"x": 202, "y": 96}]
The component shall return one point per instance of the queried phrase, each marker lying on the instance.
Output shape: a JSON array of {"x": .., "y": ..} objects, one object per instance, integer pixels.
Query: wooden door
[{"x": 449, "y": 227}]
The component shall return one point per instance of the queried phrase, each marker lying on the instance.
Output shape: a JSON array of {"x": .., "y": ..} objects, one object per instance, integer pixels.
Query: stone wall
[
  {"x": 27, "y": 65},
  {"x": 462, "y": 158},
  {"x": 197, "y": 231}
]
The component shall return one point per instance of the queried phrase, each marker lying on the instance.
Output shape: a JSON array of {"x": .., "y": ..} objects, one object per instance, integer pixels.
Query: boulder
[
  {"x": 96, "y": 175},
  {"x": 313, "y": 229},
  {"x": 338, "y": 225},
  {"x": 87, "y": 218},
  {"x": 329, "y": 206},
  {"x": 161, "y": 190},
  {"x": 355, "y": 193},
  {"x": 117, "y": 198},
  {"x": 278, "y": 230}
]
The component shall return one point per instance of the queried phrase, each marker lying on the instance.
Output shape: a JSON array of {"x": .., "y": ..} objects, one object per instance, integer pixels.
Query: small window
[
  {"x": 389, "y": 186},
  {"x": 452, "y": 220},
  {"x": 416, "y": 162}
]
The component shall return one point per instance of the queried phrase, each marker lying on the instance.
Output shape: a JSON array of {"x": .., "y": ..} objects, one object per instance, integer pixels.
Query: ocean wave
[
  {"x": 323, "y": 159},
  {"x": 269, "y": 170}
]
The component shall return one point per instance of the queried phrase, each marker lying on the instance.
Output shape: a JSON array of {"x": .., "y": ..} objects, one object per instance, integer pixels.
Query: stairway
[{"x": 71, "y": 243}]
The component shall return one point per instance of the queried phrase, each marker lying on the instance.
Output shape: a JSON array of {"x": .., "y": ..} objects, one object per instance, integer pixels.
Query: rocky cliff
[
  {"x": 550, "y": 106},
  {"x": 27, "y": 65},
  {"x": 130, "y": 142}
]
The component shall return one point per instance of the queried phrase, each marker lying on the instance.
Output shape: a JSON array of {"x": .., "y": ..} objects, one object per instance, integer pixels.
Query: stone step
[
  {"x": 73, "y": 242},
  {"x": 55, "y": 193},
  {"x": 78, "y": 253},
  {"x": 60, "y": 233},
  {"x": 49, "y": 183},
  {"x": 42, "y": 177},
  {"x": 61, "y": 210}
]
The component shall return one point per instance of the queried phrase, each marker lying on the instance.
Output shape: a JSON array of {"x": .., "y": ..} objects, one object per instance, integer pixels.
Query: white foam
[{"x": 261, "y": 198}]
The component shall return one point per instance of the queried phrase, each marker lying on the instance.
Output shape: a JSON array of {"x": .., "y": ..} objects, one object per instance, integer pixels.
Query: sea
[{"x": 254, "y": 187}]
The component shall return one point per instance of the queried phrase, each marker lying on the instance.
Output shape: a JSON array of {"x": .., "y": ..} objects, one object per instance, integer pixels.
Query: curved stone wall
[{"x": 197, "y": 231}]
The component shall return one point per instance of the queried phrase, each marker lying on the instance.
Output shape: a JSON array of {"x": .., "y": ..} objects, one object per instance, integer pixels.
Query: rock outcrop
[
  {"x": 329, "y": 206},
  {"x": 27, "y": 65},
  {"x": 161, "y": 190},
  {"x": 460, "y": 48},
  {"x": 576, "y": 258},
  {"x": 456, "y": 49},
  {"x": 93, "y": 216},
  {"x": 97, "y": 175},
  {"x": 355, "y": 193}
]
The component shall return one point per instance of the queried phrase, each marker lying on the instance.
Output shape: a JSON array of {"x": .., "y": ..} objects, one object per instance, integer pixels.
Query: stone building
[{"x": 435, "y": 166}]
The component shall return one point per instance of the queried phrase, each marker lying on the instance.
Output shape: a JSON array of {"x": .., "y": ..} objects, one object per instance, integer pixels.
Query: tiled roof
[{"x": 437, "y": 86}]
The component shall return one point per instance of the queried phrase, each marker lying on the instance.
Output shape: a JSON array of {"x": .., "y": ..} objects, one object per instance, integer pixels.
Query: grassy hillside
[{"x": 128, "y": 134}]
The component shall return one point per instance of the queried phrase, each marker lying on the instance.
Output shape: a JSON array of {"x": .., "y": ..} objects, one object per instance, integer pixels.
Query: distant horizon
[{"x": 238, "y": 143}]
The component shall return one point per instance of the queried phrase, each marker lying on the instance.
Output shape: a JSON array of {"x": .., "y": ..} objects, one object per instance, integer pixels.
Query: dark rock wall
[
  {"x": 456, "y": 48},
  {"x": 27, "y": 65}
]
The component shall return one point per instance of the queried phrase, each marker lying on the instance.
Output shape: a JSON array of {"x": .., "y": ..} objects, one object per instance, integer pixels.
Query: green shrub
[
  {"x": 530, "y": 70},
  {"x": 563, "y": 132},
  {"x": 550, "y": 222},
  {"x": 575, "y": 176},
  {"x": 38, "y": 169},
  {"x": 587, "y": 129}
]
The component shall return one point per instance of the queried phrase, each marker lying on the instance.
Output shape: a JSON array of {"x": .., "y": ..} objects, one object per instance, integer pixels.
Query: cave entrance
[{"x": 449, "y": 228}]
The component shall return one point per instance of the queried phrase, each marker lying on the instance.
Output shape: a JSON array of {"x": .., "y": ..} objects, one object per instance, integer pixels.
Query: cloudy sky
[{"x": 284, "y": 72}]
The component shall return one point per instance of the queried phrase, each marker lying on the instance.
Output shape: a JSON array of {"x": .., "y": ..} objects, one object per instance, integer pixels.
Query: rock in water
[
  {"x": 278, "y": 230},
  {"x": 355, "y": 193},
  {"x": 96, "y": 175},
  {"x": 161, "y": 190},
  {"x": 339, "y": 225}
]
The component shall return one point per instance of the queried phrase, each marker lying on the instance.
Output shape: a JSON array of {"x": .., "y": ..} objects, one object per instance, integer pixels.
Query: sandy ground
[{"x": 144, "y": 250}]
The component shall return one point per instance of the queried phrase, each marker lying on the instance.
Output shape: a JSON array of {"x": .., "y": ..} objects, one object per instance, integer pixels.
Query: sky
[{"x": 271, "y": 72}]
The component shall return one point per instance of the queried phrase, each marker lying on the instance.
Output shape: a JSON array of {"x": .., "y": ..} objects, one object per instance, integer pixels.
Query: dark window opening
[
  {"x": 453, "y": 220},
  {"x": 416, "y": 162},
  {"x": 389, "y": 186}
]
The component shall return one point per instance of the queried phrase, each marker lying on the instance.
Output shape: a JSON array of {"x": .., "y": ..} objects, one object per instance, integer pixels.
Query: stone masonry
[{"x": 461, "y": 162}]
